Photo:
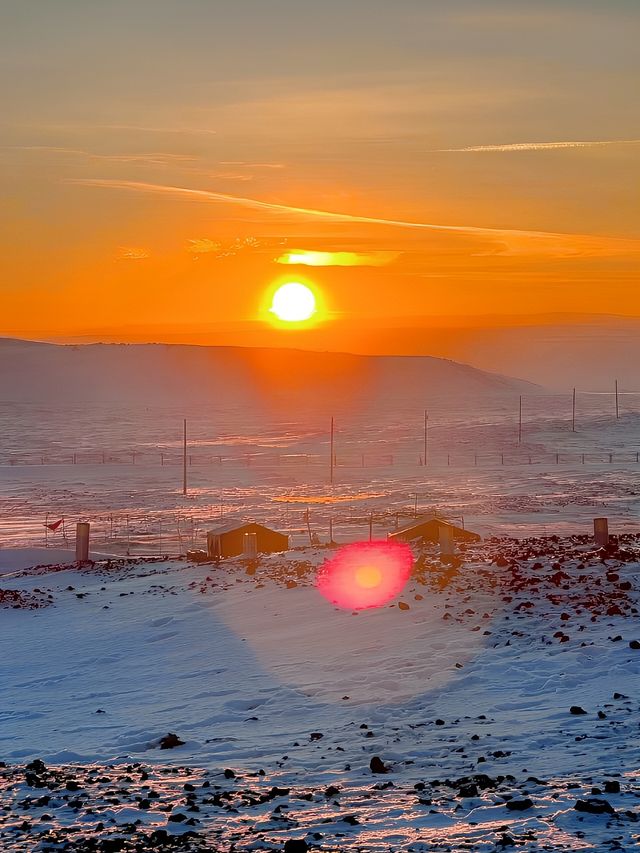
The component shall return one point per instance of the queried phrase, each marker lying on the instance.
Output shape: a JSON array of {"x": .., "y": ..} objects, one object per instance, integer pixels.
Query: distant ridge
[{"x": 162, "y": 373}]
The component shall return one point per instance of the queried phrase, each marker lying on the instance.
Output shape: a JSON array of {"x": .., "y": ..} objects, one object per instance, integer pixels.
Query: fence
[
  {"x": 402, "y": 459},
  {"x": 171, "y": 532}
]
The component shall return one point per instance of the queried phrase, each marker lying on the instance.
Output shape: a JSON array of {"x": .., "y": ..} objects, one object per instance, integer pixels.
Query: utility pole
[
  {"x": 426, "y": 436},
  {"x": 520, "y": 423},
  {"x": 331, "y": 466},
  {"x": 617, "y": 405},
  {"x": 573, "y": 415},
  {"x": 184, "y": 459}
]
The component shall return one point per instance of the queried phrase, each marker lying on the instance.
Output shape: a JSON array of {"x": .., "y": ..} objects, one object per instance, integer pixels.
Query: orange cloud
[
  {"x": 337, "y": 259},
  {"x": 507, "y": 241}
]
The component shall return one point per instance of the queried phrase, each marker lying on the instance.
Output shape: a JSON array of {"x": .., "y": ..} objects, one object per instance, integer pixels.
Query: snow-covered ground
[{"x": 463, "y": 688}]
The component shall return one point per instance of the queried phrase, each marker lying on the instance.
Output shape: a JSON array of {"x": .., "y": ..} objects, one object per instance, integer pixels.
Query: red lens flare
[{"x": 365, "y": 574}]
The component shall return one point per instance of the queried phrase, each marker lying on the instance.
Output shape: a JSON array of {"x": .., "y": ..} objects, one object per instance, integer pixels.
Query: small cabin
[
  {"x": 427, "y": 529},
  {"x": 228, "y": 540}
]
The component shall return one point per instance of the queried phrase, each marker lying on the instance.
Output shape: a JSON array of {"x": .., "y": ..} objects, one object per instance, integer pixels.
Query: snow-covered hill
[{"x": 497, "y": 707}]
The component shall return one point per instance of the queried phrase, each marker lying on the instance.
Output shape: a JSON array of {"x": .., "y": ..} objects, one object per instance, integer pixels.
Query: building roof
[
  {"x": 431, "y": 518},
  {"x": 422, "y": 520},
  {"x": 232, "y": 526}
]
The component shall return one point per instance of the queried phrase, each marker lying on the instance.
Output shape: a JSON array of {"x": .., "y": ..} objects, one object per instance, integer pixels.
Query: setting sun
[{"x": 293, "y": 303}]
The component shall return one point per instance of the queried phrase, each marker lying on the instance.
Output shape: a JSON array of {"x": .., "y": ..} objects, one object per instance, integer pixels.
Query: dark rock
[
  {"x": 296, "y": 845},
  {"x": 594, "y": 806},
  {"x": 577, "y": 710},
  {"x": 612, "y": 786},
  {"x": 376, "y": 765},
  {"x": 170, "y": 741},
  {"x": 634, "y": 644},
  {"x": 470, "y": 790},
  {"x": 519, "y": 805}
]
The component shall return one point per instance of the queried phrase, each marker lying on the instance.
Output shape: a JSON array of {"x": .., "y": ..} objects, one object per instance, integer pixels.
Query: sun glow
[{"x": 293, "y": 303}]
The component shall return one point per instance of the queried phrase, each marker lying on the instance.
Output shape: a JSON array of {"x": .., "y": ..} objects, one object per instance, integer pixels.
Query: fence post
[
  {"x": 601, "y": 531},
  {"x": 82, "y": 542}
]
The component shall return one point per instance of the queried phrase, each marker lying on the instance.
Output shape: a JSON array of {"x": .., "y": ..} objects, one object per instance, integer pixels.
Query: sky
[{"x": 164, "y": 164}]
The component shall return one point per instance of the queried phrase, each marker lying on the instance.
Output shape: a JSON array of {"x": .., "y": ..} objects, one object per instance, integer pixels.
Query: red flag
[{"x": 55, "y": 525}]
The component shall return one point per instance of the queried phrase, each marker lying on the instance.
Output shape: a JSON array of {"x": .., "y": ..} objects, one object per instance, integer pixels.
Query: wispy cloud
[
  {"x": 251, "y": 165},
  {"x": 138, "y": 128},
  {"x": 541, "y": 146},
  {"x": 230, "y": 176},
  {"x": 132, "y": 253},
  {"x": 507, "y": 241},
  {"x": 337, "y": 259},
  {"x": 154, "y": 158},
  {"x": 206, "y": 246},
  {"x": 203, "y": 246}
]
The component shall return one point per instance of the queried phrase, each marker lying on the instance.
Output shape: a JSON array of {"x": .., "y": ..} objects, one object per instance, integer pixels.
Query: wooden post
[
  {"x": 520, "y": 423},
  {"x": 371, "y": 527},
  {"x": 445, "y": 540},
  {"x": 82, "y": 542},
  {"x": 617, "y": 403},
  {"x": 415, "y": 511},
  {"x": 184, "y": 458},
  {"x": 309, "y": 528},
  {"x": 330, "y": 531},
  {"x": 332, "y": 463},
  {"x": 426, "y": 437},
  {"x": 601, "y": 531},
  {"x": 573, "y": 414}
]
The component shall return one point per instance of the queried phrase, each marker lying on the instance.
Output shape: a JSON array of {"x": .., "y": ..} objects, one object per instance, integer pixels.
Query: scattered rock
[
  {"x": 519, "y": 805},
  {"x": 376, "y": 765},
  {"x": 594, "y": 806},
  {"x": 170, "y": 741}
]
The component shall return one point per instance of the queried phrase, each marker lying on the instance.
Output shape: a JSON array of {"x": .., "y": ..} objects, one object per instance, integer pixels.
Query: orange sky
[{"x": 160, "y": 158}]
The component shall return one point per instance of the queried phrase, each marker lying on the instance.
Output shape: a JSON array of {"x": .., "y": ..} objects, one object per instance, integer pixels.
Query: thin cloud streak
[
  {"x": 155, "y": 158},
  {"x": 510, "y": 241},
  {"x": 539, "y": 146}
]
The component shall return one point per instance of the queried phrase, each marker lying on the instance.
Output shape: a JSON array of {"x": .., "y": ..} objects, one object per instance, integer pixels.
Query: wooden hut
[
  {"x": 228, "y": 540},
  {"x": 427, "y": 529}
]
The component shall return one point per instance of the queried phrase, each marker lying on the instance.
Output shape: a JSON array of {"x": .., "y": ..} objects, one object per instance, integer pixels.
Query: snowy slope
[{"x": 476, "y": 674}]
